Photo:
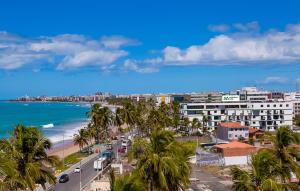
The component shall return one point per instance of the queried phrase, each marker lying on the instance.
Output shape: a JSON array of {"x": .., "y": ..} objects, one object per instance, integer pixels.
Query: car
[
  {"x": 122, "y": 137},
  {"x": 63, "y": 178},
  {"x": 77, "y": 170},
  {"x": 109, "y": 147},
  {"x": 126, "y": 143},
  {"x": 122, "y": 150}
]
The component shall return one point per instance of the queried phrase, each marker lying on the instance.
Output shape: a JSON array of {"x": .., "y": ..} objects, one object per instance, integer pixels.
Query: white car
[{"x": 77, "y": 170}]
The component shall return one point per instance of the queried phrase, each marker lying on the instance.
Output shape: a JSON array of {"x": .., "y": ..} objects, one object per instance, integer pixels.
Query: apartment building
[
  {"x": 205, "y": 97},
  {"x": 265, "y": 115},
  {"x": 294, "y": 97}
]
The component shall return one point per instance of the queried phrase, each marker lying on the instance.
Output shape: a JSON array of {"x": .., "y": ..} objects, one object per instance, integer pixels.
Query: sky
[{"x": 134, "y": 46}]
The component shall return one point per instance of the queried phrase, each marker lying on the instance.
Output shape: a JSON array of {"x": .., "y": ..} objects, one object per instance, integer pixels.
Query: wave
[
  {"x": 64, "y": 132},
  {"x": 50, "y": 125}
]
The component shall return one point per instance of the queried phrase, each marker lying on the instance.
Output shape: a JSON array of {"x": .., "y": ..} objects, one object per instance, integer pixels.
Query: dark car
[{"x": 63, "y": 178}]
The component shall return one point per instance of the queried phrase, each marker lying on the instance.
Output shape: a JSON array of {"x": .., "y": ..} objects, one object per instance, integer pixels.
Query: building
[
  {"x": 264, "y": 115},
  {"x": 294, "y": 97},
  {"x": 205, "y": 97},
  {"x": 255, "y": 134},
  {"x": 232, "y": 131},
  {"x": 163, "y": 98},
  {"x": 235, "y": 153}
]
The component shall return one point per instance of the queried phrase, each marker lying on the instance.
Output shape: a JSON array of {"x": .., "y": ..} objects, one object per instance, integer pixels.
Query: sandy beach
[{"x": 64, "y": 149}]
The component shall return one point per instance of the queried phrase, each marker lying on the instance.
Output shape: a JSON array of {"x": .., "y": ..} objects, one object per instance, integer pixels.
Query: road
[{"x": 87, "y": 174}]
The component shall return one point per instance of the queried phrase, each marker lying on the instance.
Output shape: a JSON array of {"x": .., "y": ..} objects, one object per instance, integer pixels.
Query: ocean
[{"x": 63, "y": 119}]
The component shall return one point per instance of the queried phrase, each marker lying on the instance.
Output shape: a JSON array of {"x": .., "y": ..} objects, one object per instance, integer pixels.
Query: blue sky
[{"x": 80, "y": 47}]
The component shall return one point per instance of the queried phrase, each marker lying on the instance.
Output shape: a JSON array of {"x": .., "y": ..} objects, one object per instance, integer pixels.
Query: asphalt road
[{"x": 87, "y": 174}]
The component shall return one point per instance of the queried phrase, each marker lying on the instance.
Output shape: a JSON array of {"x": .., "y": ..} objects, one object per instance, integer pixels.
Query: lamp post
[{"x": 80, "y": 186}]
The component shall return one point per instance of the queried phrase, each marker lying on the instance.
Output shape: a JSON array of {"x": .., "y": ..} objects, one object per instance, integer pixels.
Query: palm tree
[
  {"x": 101, "y": 119},
  {"x": 26, "y": 148},
  {"x": 127, "y": 182},
  {"x": 161, "y": 162},
  {"x": 81, "y": 138},
  {"x": 9, "y": 179},
  {"x": 286, "y": 154},
  {"x": 261, "y": 177},
  {"x": 204, "y": 123},
  {"x": 175, "y": 107},
  {"x": 186, "y": 123},
  {"x": 195, "y": 124},
  {"x": 129, "y": 114}
]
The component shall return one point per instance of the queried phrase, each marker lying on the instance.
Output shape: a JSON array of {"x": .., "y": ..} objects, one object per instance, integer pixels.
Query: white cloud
[
  {"x": 239, "y": 48},
  {"x": 68, "y": 50},
  {"x": 275, "y": 80},
  {"x": 219, "y": 28},
  {"x": 252, "y": 26},
  {"x": 117, "y": 41},
  {"x": 270, "y": 47},
  {"x": 144, "y": 66}
]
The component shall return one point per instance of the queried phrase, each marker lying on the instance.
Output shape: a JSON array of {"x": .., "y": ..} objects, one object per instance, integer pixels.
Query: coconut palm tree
[
  {"x": 204, "y": 123},
  {"x": 81, "y": 138},
  {"x": 261, "y": 177},
  {"x": 26, "y": 148},
  {"x": 9, "y": 179},
  {"x": 175, "y": 108},
  {"x": 286, "y": 154},
  {"x": 186, "y": 123},
  {"x": 101, "y": 119},
  {"x": 129, "y": 112},
  {"x": 195, "y": 124},
  {"x": 127, "y": 182},
  {"x": 161, "y": 162}
]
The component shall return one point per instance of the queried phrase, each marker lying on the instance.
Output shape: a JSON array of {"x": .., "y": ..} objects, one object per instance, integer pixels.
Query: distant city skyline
[{"x": 125, "y": 47}]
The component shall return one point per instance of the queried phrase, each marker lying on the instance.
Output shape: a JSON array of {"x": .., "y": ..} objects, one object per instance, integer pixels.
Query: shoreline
[{"x": 62, "y": 150}]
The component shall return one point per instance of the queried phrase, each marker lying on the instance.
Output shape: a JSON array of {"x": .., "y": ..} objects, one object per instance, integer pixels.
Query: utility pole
[
  {"x": 80, "y": 186},
  {"x": 63, "y": 149}
]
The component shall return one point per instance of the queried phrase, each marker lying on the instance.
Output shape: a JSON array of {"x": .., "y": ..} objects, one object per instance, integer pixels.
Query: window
[
  {"x": 268, "y": 105},
  {"x": 280, "y": 105},
  {"x": 229, "y": 135},
  {"x": 246, "y": 135},
  {"x": 215, "y": 111},
  {"x": 235, "y": 135},
  {"x": 254, "y": 122},
  {"x": 287, "y": 105},
  {"x": 261, "y": 105},
  {"x": 274, "y": 105}
]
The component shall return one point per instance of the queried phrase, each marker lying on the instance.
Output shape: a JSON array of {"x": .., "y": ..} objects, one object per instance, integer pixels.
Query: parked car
[
  {"x": 77, "y": 170},
  {"x": 109, "y": 146},
  {"x": 122, "y": 137},
  {"x": 63, "y": 178},
  {"x": 126, "y": 143},
  {"x": 122, "y": 150}
]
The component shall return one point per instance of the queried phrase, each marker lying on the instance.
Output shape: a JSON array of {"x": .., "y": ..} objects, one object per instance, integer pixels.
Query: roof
[
  {"x": 254, "y": 130},
  {"x": 232, "y": 125},
  {"x": 234, "y": 145}
]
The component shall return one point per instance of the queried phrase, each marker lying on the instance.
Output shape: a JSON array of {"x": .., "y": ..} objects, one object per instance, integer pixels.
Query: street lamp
[{"x": 80, "y": 176}]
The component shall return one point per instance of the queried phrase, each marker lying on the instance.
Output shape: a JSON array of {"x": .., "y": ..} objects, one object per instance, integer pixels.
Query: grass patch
[{"x": 70, "y": 160}]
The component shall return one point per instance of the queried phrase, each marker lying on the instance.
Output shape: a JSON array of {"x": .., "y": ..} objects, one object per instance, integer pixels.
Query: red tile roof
[
  {"x": 232, "y": 125},
  {"x": 233, "y": 145}
]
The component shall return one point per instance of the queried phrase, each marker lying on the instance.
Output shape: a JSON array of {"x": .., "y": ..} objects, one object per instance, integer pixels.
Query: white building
[
  {"x": 294, "y": 97},
  {"x": 163, "y": 98},
  {"x": 232, "y": 131},
  {"x": 235, "y": 153},
  {"x": 265, "y": 115}
]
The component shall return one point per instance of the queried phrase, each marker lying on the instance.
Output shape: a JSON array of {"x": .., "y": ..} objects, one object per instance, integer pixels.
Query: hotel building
[{"x": 265, "y": 115}]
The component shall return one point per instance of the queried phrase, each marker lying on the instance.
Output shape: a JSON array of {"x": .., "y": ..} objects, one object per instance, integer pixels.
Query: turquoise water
[{"x": 67, "y": 118}]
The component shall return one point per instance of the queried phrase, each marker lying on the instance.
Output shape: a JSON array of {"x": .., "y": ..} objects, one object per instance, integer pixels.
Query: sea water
[{"x": 66, "y": 118}]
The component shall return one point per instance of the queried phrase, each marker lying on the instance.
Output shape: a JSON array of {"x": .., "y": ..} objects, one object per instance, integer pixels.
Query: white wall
[{"x": 236, "y": 160}]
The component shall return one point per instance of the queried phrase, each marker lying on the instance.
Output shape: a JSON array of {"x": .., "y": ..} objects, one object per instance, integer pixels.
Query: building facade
[
  {"x": 232, "y": 131},
  {"x": 265, "y": 115}
]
